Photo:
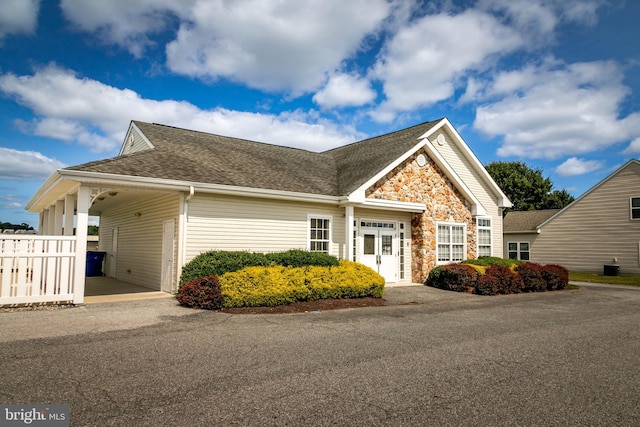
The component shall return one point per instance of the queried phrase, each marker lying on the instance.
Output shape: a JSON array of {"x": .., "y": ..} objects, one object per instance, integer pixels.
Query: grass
[{"x": 599, "y": 278}]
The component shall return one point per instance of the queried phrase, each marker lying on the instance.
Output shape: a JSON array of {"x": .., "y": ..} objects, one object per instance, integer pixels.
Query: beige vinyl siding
[
  {"x": 476, "y": 183},
  {"x": 139, "y": 252},
  {"x": 255, "y": 225},
  {"x": 375, "y": 214},
  {"x": 596, "y": 228},
  {"x": 134, "y": 143}
]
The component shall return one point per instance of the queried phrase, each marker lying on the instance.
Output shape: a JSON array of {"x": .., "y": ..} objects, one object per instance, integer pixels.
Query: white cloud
[
  {"x": 574, "y": 166},
  {"x": 424, "y": 61},
  {"x": 556, "y": 110},
  {"x": 531, "y": 18},
  {"x": 343, "y": 90},
  {"x": 288, "y": 45},
  {"x": 633, "y": 148},
  {"x": 128, "y": 23},
  {"x": 16, "y": 164},
  {"x": 538, "y": 19},
  {"x": 285, "y": 45},
  {"x": 632, "y": 124},
  {"x": 71, "y": 108},
  {"x": 18, "y": 16}
]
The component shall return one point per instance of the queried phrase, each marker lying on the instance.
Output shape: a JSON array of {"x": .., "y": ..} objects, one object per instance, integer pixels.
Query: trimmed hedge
[
  {"x": 217, "y": 263},
  {"x": 300, "y": 258},
  {"x": 556, "y": 276},
  {"x": 278, "y": 285},
  {"x": 453, "y": 277},
  {"x": 203, "y": 293},
  {"x": 531, "y": 274},
  {"x": 491, "y": 260},
  {"x": 498, "y": 278}
]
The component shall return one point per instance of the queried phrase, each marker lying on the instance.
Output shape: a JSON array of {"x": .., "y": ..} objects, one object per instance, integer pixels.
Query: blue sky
[{"x": 553, "y": 83}]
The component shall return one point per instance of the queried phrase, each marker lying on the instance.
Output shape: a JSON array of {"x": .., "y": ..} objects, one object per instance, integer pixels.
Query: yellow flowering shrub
[
  {"x": 271, "y": 286},
  {"x": 481, "y": 269}
]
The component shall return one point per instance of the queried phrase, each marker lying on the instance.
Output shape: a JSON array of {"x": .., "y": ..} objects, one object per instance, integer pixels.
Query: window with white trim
[
  {"x": 519, "y": 250},
  {"x": 451, "y": 242},
  {"x": 320, "y": 234},
  {"x": 635, "y": 208},
  {"x": 484, "y": 236}
]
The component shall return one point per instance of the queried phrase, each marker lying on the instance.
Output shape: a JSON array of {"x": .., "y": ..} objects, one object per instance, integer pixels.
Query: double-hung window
[
  {"x": 484, "y": 237},
  {"x": 519, "y": 250},
  {"x": 320, "y": 234},
  {"x": 635, "y": 208},
  {"x": 451, "y": 242}
]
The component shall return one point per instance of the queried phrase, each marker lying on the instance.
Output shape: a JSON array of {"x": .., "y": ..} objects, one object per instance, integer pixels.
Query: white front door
[
  {"x": 168, "y": 243},
  {"x": 113, "y": 255},
  {"x": 378, "y": 248}
]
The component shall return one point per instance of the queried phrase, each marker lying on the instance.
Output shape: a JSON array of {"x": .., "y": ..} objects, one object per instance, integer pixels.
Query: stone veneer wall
[{"x": 427, "y": 184}]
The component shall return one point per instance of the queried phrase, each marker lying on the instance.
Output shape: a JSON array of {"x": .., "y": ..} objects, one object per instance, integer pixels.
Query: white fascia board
[
  {"x": 502, "y": 200},
  {"x": 53, "y": 179},
  {"x": 133, "y": 127},
  {"x": 54, "y": 188},
  {"x": 389, "y": 205},
  {"x": 176, "y": 185}
]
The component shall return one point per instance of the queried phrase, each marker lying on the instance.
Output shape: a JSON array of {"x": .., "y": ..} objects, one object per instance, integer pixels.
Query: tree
[
  {"x": 526, "y": 187},
  {"x": 8, "y": 225}
]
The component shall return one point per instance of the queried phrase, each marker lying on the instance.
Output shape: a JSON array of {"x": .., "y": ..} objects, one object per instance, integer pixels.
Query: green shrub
[
  {"x": 202, "y": 293},
  {"x": 300, "y": 258},
  {"x": 277, "y": 285},
  {"x": 490, "y": 260},
  {"x": 217, "y": 263},
  {"x": 532, "y": 278},
  {"x": 433, "y": 279},
  {"x": 556, "y": 276},
  {"x": 453, "y": 277}
]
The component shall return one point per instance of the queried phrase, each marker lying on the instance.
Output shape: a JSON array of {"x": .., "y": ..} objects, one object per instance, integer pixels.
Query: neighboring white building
[{"x": 400, "y": 203}]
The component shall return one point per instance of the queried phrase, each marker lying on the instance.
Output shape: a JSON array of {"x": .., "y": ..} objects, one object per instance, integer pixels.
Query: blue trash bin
[{"x": 94, "y": 263}]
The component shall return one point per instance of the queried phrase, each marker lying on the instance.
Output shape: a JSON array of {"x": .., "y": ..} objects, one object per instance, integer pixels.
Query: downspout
[
  {"x": 191, "y": 193},
  {"x": 185, "y": 214}
]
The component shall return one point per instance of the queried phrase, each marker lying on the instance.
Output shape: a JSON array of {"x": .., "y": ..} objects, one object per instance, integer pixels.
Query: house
[
  {"x": 400, "y": 203},
  {"x": 520, "y": 230},
  {"x": 600, "y": 228}
]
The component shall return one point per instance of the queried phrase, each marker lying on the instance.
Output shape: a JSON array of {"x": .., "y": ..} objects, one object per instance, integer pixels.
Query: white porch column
[
  {"x": 41, "y": 221},
  {"x": 69, "y": 206},
  {"x": 82, "y": 222},
  {"x": 348, "y": 217},
  {"x": 51, "y": 223},
  {"x": 44, "y": 230},
  {"x": 57, "y": 227}
]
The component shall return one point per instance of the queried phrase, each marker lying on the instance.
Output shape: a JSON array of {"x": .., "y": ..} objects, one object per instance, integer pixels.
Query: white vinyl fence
[{"x": 36, "y": 269}]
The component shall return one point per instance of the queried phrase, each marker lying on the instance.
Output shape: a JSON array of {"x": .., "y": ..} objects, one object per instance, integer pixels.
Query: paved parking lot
[{"x": 563, "y": 358}]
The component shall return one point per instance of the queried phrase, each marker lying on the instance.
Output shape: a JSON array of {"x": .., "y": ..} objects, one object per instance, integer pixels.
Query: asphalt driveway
[{"x": 432, "y": 358}]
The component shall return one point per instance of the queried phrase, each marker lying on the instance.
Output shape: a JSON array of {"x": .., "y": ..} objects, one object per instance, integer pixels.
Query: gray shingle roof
[
  {"x": 526, "y": 221},
  {"x": 199, "y": 157}
]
